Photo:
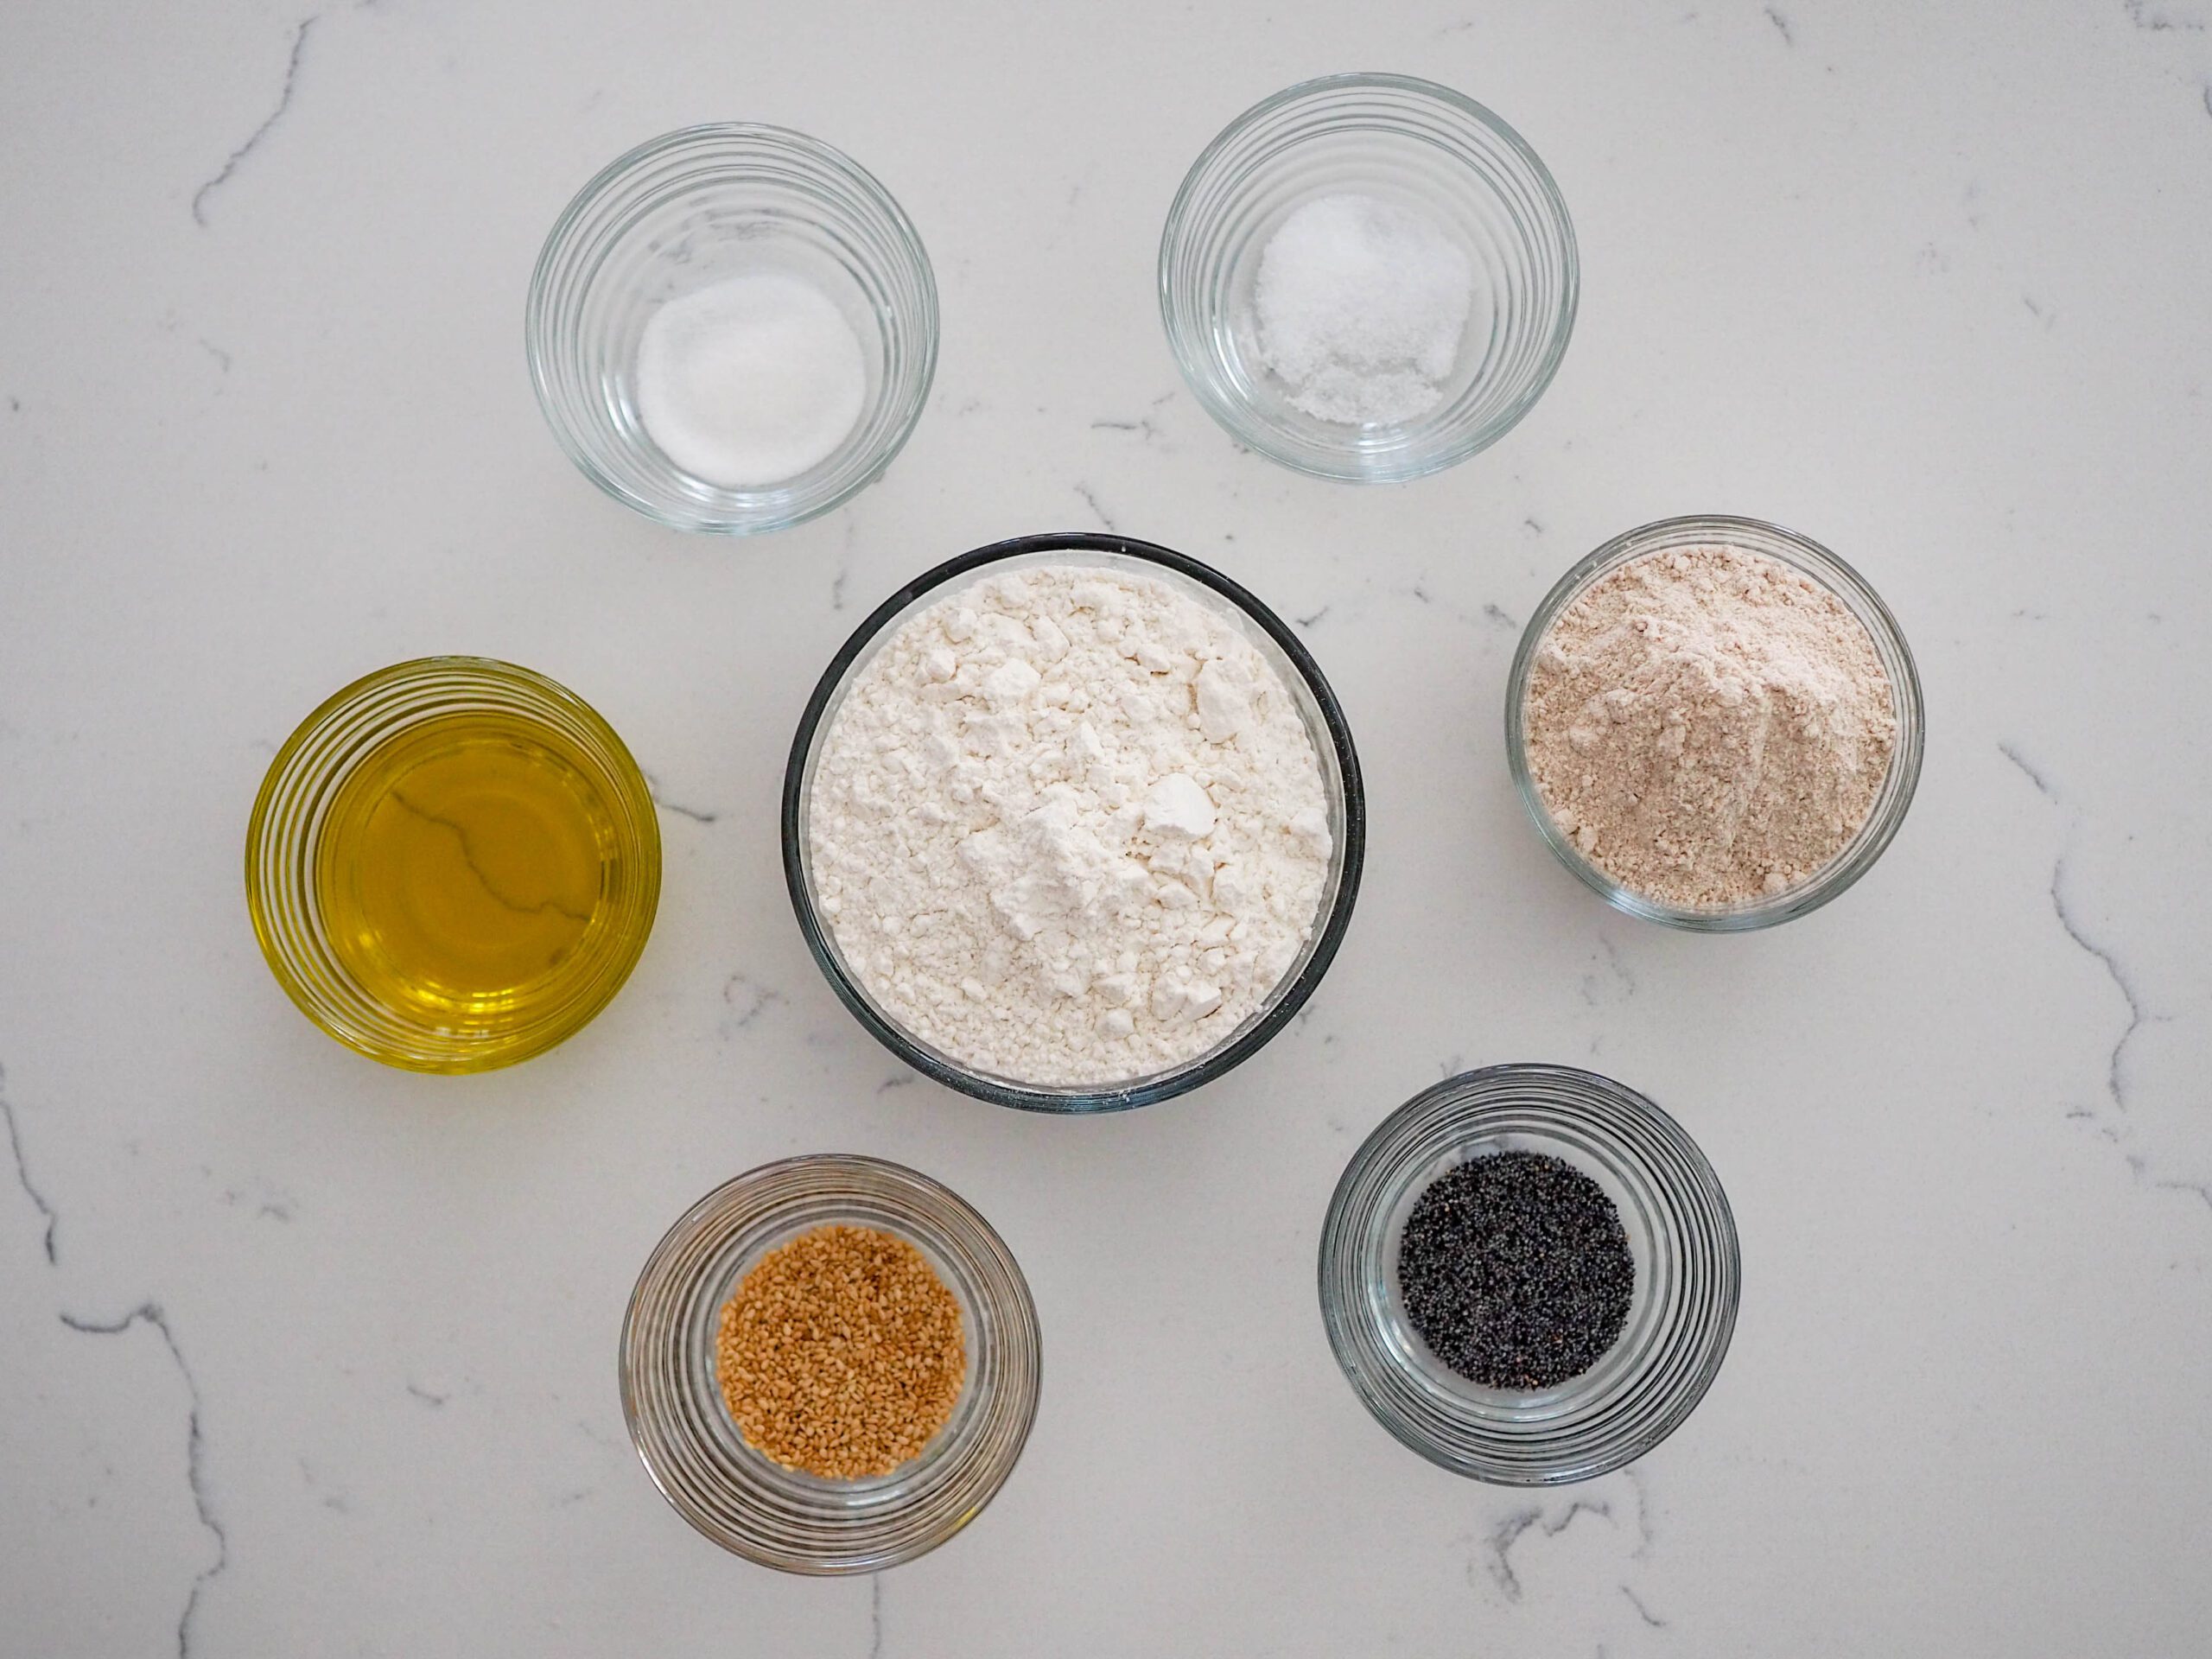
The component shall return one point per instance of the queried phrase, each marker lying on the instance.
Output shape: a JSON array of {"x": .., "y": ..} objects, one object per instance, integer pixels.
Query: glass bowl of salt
[
  {"x": 1367, "y": 278},
  {"x": 732, "y": 328}
]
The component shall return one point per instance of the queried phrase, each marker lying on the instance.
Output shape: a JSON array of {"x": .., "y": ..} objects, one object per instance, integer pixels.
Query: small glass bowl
[
  {"x": 697, "y": 206},
  {"x": 1415, "y": 145},
  {"x": 785, "y": 1518},
  {"x": 1803, "y": 553},
  {"x": 1680, "y": 1231},
  {"x": 283, "y": 843},
  {"x": 1332, "y": 747}
]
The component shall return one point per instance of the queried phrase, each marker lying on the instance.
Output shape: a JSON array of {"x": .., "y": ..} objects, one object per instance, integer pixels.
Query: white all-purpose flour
[{"x": 1068, "y": 826}]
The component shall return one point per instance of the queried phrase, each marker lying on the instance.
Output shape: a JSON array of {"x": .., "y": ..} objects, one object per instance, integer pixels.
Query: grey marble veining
[
  {"x": 305, "y": 1356},
  {"x": 230, "y": 163}
]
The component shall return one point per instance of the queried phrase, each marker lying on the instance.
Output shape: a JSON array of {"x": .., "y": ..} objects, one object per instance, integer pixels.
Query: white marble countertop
[{"x": 304, "y": 1356}]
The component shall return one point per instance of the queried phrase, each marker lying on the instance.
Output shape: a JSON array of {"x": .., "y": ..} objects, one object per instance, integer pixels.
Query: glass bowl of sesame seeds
[
  {"x": 883, "y": 1237},
  {"x": 1661, "y": 1344},
  {"x": 868, "y": 919}
]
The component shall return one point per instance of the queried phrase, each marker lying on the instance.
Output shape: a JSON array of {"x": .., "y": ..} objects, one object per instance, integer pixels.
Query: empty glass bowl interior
[
  {"x": 1802, "y": 554},
  {"x": 453, "y": 864},
  {"x": 692, "y": 209},
  {"x": 1317, "y": 705},
  {"x": 1410, "y": 145},
  {"x": 1680, "y": 1234},
  {"x": 783, "y": 1517}
]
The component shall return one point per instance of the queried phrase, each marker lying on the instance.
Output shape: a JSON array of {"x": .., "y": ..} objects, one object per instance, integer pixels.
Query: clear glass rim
[
  {"x": 284, "y": 827},
  {"x": 1411, "y": 461},
  {"x": 1321, "y": 949},
  {"x": 707, "y": 139},
  {"x": 1808, "y": 556},
  {"x": 1630, "y": 1400},
  {"x": 783, "y": 1518}
]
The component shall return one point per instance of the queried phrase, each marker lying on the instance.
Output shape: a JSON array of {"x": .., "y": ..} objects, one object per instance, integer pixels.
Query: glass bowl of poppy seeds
[
  {"x": 1529, "y": 1275},
  {"x": 829, "y": 1365}
]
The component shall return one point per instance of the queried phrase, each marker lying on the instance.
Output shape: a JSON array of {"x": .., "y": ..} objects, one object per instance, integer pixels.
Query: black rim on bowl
[{"x": 1320, "y": 951}]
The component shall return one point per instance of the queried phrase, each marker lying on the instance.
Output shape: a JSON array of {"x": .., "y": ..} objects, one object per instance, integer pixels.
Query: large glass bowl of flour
[{"x": 1054, "y": 899}]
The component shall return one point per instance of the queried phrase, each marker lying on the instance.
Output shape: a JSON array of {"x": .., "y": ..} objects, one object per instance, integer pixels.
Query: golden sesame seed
[{"x": 841, "y": 1353}]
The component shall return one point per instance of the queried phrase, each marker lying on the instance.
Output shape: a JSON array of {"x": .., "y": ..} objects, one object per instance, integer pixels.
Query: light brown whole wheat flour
[{"x": 1709, "y": 725}]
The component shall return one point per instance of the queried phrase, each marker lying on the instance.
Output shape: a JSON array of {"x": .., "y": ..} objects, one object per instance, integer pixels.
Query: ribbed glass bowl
[
  {"x": 284, "y": 864},
  {"x": 1803, "y": 553},
  {"x": 1324, "y": 724},
  {"x": 1680, "y": 1232},
  {"x": 697, "y": 206},
  {"x": 1413, "y": 144},
  {"x": 782, "y": 1517}
]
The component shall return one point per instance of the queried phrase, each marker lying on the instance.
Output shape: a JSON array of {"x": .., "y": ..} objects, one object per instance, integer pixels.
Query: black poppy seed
[{"x": 1516, "y": 1270}]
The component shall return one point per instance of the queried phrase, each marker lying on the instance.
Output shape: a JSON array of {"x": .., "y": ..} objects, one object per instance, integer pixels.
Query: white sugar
[
  {"x": 1361, "y": 306},
  {"x": 750, "y": 381}
]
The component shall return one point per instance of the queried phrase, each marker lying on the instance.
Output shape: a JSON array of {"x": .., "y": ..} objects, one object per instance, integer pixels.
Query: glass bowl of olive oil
[{"x": 453, "y": 864}]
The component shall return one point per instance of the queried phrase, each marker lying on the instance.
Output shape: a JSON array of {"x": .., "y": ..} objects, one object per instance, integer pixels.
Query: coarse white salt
[
  {"x": 1361, "y": 305},
  {"x": 751, "y": 380}
]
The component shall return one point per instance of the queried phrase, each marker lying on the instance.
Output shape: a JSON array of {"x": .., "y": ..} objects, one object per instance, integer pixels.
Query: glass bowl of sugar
[
  {"x": 1367, "y": 278},
  {"x": 732, "y": 328}
]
